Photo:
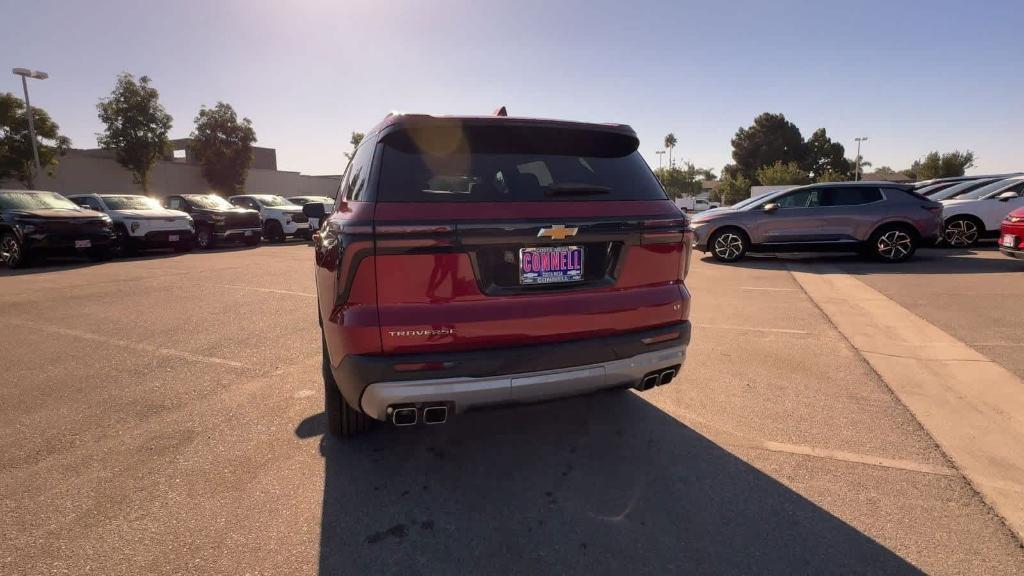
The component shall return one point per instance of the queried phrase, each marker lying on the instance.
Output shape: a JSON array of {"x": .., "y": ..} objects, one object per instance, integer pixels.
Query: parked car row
[
  {"x": 102, "y": 226},
  {"x": 886, "y": 220}
]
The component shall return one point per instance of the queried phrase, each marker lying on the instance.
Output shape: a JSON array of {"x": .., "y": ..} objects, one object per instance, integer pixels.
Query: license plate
[
  {"x": 550, "y": 264},
  {"x": 248, "y": 232},
  {"x": 83, "y": 243},
  {"x": 1009, "y": 240},
  {"x": 172, "y": 237}
]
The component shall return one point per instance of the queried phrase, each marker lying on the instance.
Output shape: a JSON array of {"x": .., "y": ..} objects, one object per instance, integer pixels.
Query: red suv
[
  {"x": 1011, "y": 234},
  {"x": 475, "y": 261}
]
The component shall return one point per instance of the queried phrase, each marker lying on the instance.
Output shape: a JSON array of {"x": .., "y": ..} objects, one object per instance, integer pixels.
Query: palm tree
[
  {"x": 859, "y": 164},
  {"x": 670, "y": 143}
]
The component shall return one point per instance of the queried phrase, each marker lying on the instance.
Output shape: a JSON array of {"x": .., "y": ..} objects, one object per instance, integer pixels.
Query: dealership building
[{"x": 96, "y": 171}]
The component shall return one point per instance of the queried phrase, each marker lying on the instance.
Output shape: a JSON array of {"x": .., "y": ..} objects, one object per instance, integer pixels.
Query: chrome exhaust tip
[
  {"x": 403, "y": 416},
  {"x": 666, "y": 376},
  {"x": 649, "y": 381},
  {"x": 435, "y": 415}
]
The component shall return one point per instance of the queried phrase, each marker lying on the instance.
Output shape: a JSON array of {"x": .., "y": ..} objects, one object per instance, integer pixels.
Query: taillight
[{"x": 684, "y": 269}]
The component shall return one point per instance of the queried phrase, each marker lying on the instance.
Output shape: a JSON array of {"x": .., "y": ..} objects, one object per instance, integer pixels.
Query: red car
[
  {"x": 474, "y": 261},
  {"x": 1011, "y": 234}
]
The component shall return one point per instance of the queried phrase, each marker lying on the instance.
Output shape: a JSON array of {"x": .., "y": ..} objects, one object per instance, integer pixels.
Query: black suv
[
  {"x": 217, "y": 220},
  {"x": 34, "y": 222}
]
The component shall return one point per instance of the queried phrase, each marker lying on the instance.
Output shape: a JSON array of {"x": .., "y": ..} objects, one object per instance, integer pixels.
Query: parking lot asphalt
[{"x": 163, "y": 414}]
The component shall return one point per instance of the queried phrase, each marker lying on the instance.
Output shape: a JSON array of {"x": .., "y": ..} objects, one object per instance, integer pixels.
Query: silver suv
[{"x": 884, "y": 220}]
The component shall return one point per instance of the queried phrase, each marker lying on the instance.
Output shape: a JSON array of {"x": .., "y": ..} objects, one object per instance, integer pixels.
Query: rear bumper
[{"x": 511, "y": 375}]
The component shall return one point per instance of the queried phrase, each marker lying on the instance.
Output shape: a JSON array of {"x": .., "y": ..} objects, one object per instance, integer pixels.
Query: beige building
[{"x": 91, "y": 171}]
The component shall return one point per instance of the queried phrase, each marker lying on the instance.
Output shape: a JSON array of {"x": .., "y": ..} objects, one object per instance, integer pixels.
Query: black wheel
[
  {"x": 893, "y": 244},
  {"x": 122, "y": 245},
  {"x": 100, "y": 254},
  {"x": 728, "y": 244},
  {"x": 342, "y": 420},
  {"x": 961, "y": 232},
  {"x": 273, "y": 231},
  {"x": 204, "y": 238},
  {"x": 12, "y": 252}
]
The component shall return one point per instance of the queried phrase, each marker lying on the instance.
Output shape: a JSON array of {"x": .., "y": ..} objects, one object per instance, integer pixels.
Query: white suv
[
  {"x": 978, "y": 213},
  {"x": 280, "y": 217},
  {"x": 140, "y": 222}
]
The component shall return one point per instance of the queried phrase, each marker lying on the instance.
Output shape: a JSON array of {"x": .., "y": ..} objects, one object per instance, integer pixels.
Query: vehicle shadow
[
  {"x": 598, "y": 484},
  {"x": 925, "y": 261}
]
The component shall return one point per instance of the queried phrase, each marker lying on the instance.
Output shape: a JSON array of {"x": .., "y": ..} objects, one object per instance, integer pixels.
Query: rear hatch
[{"x": 503, "y": 233}]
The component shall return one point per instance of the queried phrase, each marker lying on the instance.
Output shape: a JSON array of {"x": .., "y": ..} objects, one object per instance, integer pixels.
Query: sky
[{"x": 911, "y": 76}]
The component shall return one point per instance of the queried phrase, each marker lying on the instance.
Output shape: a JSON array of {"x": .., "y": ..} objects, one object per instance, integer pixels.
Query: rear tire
[
  {"x": 342, "y": 420},
  {"x": 892, "y": 244},
  {"x": 728, "y": 244},
  {"x": 13, "y": 251},
  {"x": 961, "y": 232}
]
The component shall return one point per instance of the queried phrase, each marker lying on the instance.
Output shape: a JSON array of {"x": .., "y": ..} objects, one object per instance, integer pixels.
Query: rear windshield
[{"x": 513, "y": 164}]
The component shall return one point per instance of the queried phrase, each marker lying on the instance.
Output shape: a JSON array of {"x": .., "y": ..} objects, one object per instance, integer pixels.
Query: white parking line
[
  {"x": 855, "y": 458},
  {"x": 751, "y": 328},
  {"x": 124, "y": 343},
  {"x": 769, "y": 289},
  {"x": 273, "y": 290}
]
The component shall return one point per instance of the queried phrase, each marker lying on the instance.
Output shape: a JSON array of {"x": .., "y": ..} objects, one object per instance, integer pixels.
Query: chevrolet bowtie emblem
[{"x": 557, "y": 232}]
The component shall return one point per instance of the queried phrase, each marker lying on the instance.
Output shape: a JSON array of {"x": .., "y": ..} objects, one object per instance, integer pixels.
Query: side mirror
[
  {"x": 770, "y": 207},
  {"x": 1008, "y": 195},
  {"x": 314, "y": 210}
]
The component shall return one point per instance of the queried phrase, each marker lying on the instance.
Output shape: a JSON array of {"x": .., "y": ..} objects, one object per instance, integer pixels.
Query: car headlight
[
  {"x": 27, "y": 228},
  {"x": 134, "y": 226},
  {"x": 1015, "y": 219}
]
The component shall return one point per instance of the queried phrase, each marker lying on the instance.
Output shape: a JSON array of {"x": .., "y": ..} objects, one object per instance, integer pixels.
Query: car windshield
[
  {"x": 268, "y": 201},
  {"x": 957, "y": 190},
  {"x": 36, "y": 201},
  {"x": 208, "y": 201},
  {"x": 749, "y": 201},
  {"x": 514, "y": 164},
  {"x": 988, "y": 190},
  {"x": 130, "y": 203}
]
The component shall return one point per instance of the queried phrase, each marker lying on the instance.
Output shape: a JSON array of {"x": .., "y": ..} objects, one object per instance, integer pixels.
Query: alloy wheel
[
  {"x": 895, "y": 245},
  {"x": 10, "y": 251},
  {"x": 961, "y": 233},
  {"x": 728, "y": 246}
]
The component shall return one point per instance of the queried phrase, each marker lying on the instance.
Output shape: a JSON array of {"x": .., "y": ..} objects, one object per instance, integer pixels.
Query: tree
[
  {"x": 357, "y": 138},
  {"x": 830, "y": 176},
  {"x": 770, "y": 139},
  {"x": 859, "y": 164},
  {"x": 731, "y": 190},
  {"x": 825, "y": 156},
  {"x": 223, "y": 146},
  {"x": 935, "y": 165},
  {"x": 670, "y": 143},
  {"x": 780, "y": 174},
  {"x": 136, "y": 126},
  {"x": 16, "y": 160},
  {"x": 685, "y": 181},
  {"x": 884, "y": 171}
]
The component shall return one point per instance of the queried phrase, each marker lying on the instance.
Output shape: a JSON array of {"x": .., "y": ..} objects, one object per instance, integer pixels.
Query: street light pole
[
  {"x": 25, "y": 74},
  {"x": 660, "y": 153},
  {"x": 856, "y": 171}
]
